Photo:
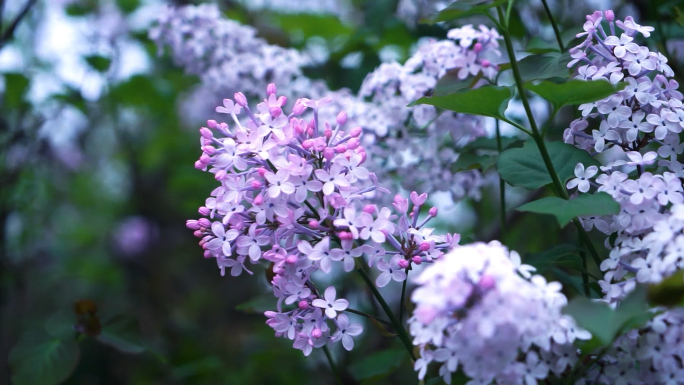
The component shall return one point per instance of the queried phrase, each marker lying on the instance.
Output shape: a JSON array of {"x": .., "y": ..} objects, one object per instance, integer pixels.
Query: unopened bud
[
  {"x": 271, "y": 89},
  {"x": 303, "y": 305},
  {"x": 211, "y": 123},
  {"x": 417, "y": 259},
  {"x": 209, "y": 150},
  {"x": 610, "y": 15},
  {"x": 403, "y": 263},
  {"x": 307, "y": 144},
  {"x": 276, "y": 112},
  {"x": 424, "y": 246},
  {"x": 256, "y": 184},
  {"x": 477, "y": 47},
  {"x": 316, "y": 333},
  {"x": 353, "y": 143},
  {"x": 192, "y": 224},
  {"x": 356, "y": 132},
  {"x": 258, "y": 200},
  {"x": 207, "y": 254},
  {"x": 341, "y": 117},
  {"x": 197, "y": 233},
  {"x": 327, "y": 133},
  {"x": 204, "y": 210},
  {"x": 370, "y": 209},
  {"x": 328, "y": 153},
  {"x": 291, "y": 259},
  {"x": 486, "y": 282},
  {"x": 204, "y": 222},
  {"x": 240, "y": 99},
  {"x": 485, "y": 63},
  {"x": 220, "y": 175},
  {"x": 206, "y": 133},
  {"x": 199, "y": 165},
  {"x": 340, "y": 148},
  {"x": 433, "y": 212},
  {"x": 314, "y": 224},
  {"x": 262, "y": 171}
]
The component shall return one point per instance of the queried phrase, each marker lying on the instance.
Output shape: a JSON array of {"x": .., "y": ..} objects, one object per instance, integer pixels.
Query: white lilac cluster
[
  {"x": 420, "y": 137},
  {"x": 479, "y": 309},
  {"x": 636, "y": 131},
  {"x": 293, "y": 191},
  {"x": 226, "y": 55}
]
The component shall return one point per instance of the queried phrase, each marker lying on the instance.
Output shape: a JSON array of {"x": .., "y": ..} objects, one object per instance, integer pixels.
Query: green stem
[
  {"x": 554, "y": 25},
  {"x": 336, "y": 372},
  {"x": 393, "y": 319},
  {"x": 382, "y": 321},
  {"x": 403, "y": 294},
  {"x": 539, "y": 139},
  {"x": 502, "y": 187}
]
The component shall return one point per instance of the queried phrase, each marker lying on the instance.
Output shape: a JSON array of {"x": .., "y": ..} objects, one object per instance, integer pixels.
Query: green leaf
[
  {"x": 450, "y": 83},
  {"x": 470, "y": 161},
  {"x": 669, "y": 292},
  {"x": 16, "y": 86},
  {"x": 41, "y": 359},
  {"x": 538, "y": 45},
  {"x": 121, "y": 333},
  {"x": 465, "y": 8},
  {"x": 551, "y": 65},
  {"x": 326, "y": 26},
  {"x": 606, "y": 324},
  {"x": 524, "y": 166},
  {"x": 546, "y": 259},
  {"x": 574, "y": 91},
  {"x": 491, "y": 145},
  {"x": 99, "y": 63},
  {"x": 257, "y": 305},
  {"x": 128, "y": 6},
  {"x": 565, "y": 210},
  {"x": 486, "y": 101},
  {"x": 679, "y": 16},
  {"x": 377, "y": 365}
]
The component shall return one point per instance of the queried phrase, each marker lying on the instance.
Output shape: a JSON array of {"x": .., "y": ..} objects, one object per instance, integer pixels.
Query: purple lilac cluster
[
  {"x": 637, "y": 132},
  {"x": 294, "y": 192},
  {"x": 405, "y": 139},
  {"x": 227, "y": 56},
  {"x": 479, "y": 309}
]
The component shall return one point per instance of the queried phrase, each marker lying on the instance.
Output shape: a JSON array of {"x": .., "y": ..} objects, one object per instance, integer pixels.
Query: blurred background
[{"x": 100, "y": 281}]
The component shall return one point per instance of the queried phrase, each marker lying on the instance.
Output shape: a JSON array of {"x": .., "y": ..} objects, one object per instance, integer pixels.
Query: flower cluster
[
  {"x": 406, "y": 139},
  {"x": 293, "y": 191},
  {"x": 480, "y": 309},
  {"x": 636, "y": 131},
  {"x": 225, "y": 54}
]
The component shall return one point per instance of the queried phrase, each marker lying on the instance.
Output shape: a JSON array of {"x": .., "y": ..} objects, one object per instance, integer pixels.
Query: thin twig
[{"x": 9, "y": 32}]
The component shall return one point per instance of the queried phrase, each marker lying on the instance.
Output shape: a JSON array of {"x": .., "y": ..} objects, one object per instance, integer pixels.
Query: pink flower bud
[
  {"x": 486, "y": 282},
  {"x": 319, "y": 144},
  {"x": 258, "y": 200},
  {"x": 220, "y": 175},
  {"x": 403, "y": 263},
  {"x": 314, "y": 224},
  {"x": 204, "y": 222},
  {"x": 203, "y": 244},
  {"x": 425, "y": 246},
  {"x": 303, "y": 305},
  {"x": 209, "y": 150},
  {"x": 262, "y": 171},
  {"x": 276, "y": 112},
  {"x": 298, "y": 108},
  {"x": 370, "y": 209},
  {"x": 279, "y": 271},
  {"x": 353, "y": 143},
  {"x": 417, "y": 259},
  {"x": 204, "y": 211},
  {"x": 485, "y": 63},
  {"x": 192, "y": 224},
  {"x": 356, "y": 132},
  {"x": 291, "y": 259},
  {"x": 207, "y": 254},
  {"x": 240, "y": 99},
  {"x": 341, "y": 117},
  {"x": 307, "y": 144},
  {"x": 327, "y": 133},
  {"x": 610, "y": 15},
  {"x": 418, "y": 199},
  {"x": 205, "y": 159},
  {"x": 256, "y": 184},
  {"x": 328, "y": 153},
  {"x": 271, "y": 89},
  {"x": 211, "y": 123},
  {"x": 199, "y": 165},
  {"x": 433, "y": 212},
  {"x": 206, "y": 133},
  {"x": 363, "y": 154},
  {"x": 345, "y": 235},
  {"x": 310, "y": 131},
  {"x": 316, "y": 333},
  {"x": 477, "y": 47},
  {"x": 197, "y": 233},
  {"x": 340, "y": 148}
]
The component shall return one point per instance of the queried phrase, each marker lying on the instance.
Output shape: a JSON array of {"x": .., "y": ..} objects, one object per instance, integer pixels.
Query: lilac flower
[
  {"x": 330, "y": 304},
  {"x": 345, "y": 331},
  {"x": 390, "y": 271},
  {"x": 582, "y": 180}
]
